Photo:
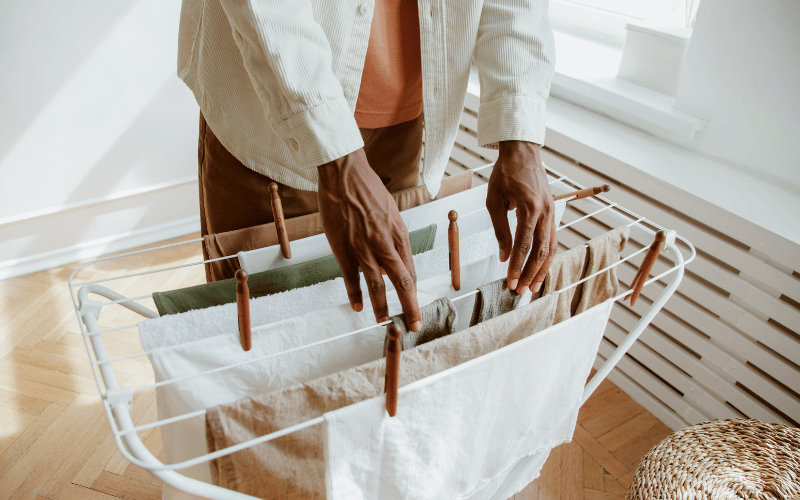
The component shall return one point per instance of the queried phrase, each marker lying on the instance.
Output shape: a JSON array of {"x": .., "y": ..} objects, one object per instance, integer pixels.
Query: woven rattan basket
[{"x": 724, "y": 459}]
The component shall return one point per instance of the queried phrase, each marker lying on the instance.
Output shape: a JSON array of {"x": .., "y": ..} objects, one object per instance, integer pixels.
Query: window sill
[
  {"x": 606, "y": 144},
  {"x": 629, "y": 104},
  {"x": 599, "y": 120},
  {"x": 586, "y": 76}
]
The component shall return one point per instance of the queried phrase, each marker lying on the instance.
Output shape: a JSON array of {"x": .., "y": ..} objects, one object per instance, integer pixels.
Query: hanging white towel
[{"x": 460, "y": 433}]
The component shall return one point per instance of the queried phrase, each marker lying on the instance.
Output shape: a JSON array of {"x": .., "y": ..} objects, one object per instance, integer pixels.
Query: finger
[
  {"x": 540, "y": 250},
  {"x": 536, "y": 267},
  {"x": 542, "y": 274},
  {"x": 402, "y": 246},
  {"x": 352, "y": 281},
  {"x": 376, "y": 288},
  {"x": 405, "y": 284},
  {"x": 522, "y": 245},
  {"x": 499, "y": 213}
]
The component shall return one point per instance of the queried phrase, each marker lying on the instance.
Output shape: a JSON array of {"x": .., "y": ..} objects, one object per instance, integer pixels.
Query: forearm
[
  {"x": 515, "y": 58},
  {"x": 288, "y": 59}
]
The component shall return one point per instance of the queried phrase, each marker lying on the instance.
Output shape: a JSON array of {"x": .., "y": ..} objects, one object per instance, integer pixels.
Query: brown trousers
[{"x": 234, "y": 197}]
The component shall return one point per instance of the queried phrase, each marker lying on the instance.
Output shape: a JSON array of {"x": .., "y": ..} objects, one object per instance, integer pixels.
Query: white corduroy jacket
[{"x": 277, "y": 80}]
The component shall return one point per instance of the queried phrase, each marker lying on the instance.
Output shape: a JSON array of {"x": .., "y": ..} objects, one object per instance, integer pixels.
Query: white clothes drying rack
[{"x": 118, "y": 401}]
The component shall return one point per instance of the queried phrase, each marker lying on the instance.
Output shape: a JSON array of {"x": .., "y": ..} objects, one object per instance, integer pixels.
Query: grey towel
[
  {"x": 493, "y": 300},
  {"x": 438, "y": 319}
]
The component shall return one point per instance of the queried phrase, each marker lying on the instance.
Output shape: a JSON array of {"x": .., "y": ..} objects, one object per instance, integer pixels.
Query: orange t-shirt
[{"x": 391, "y": 84}]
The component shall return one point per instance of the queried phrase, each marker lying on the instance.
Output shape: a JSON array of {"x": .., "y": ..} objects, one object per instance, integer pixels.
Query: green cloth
[{"x": 269, "y": 282}]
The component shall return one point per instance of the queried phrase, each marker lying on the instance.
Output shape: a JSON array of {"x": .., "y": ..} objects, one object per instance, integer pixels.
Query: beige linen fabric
[
  {"x": 566, "y": 269},
  {"x": 579, "y": 262},
  {"x": 601, "y": 253},
  {"x": 293, "y": 466}
]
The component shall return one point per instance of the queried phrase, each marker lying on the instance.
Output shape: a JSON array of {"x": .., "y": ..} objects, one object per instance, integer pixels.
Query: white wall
[
  {"x": 742, "y": 73},
  {"x": 91, "y": 109}
]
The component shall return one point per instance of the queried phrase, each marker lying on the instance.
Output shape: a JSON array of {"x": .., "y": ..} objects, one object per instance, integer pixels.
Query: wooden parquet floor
[{"x": 55, "y": 441}]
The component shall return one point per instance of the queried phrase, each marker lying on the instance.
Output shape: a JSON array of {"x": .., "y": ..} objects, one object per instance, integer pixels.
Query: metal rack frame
[{"x": 117, "y": 401}]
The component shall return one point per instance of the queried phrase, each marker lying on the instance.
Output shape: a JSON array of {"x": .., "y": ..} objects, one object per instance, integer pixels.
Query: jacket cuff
[
  {"x": 511, "y": 118},
  {"x": 321, "y": 134}
]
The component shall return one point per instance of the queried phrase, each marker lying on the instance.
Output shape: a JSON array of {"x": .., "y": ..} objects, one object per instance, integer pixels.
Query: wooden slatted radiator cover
[{"x": 728, "y": 343}]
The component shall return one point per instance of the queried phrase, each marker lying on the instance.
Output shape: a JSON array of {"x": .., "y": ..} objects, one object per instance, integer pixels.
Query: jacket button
[
  {"x": 363, "y": 9},
  {"x": 292, "y": 144}
]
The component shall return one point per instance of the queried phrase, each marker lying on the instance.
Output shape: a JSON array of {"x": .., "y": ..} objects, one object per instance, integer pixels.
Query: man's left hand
[{"x": 519, "y": 181}]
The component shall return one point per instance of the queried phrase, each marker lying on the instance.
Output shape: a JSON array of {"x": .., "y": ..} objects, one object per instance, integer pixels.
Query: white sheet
[{"x": 460, "y": 434}]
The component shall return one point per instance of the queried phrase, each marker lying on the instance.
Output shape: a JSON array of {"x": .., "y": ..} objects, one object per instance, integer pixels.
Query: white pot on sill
[{"x": 652, "y": 57}]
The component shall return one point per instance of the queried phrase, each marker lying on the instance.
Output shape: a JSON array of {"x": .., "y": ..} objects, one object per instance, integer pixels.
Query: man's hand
[
  {"x": 364, "y": 228},
  {"x": 519, "y": 181}
]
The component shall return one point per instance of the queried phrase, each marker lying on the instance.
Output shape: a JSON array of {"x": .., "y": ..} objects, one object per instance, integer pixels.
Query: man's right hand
[{"x": 364, "y": 229}]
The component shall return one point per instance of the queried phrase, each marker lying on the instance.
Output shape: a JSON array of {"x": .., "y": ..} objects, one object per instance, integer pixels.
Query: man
[{"x": 328, "y": 95}]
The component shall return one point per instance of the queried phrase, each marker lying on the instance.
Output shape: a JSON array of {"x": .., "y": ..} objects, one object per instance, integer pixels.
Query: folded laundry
[
  {"x": 269, "y": 282},
  {"x": 293, "y": 466},
  {"x": 439, "y": 318},
  {"x": 242, "y": 240}
]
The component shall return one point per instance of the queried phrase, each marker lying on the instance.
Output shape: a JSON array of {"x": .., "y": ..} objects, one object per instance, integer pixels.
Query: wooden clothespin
[
  {"x": 280, "y": 223},
  {"x": 647, "y": 265},
  {"x": 455, "y": 260},
  {"x": 392, "y": 379},
  {"x": 584, "y": 193},
  {"x": 243, "y": 308}
]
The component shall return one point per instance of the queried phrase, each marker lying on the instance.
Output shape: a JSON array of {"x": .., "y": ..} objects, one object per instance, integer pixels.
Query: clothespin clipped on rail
[
  {"x": 392, "y": 379},
  {"x": 583, "y": 193},
  {"x": 280, "y": 223},
  {"x": 647, "y": 265},
  {"x": 243, "y": 309},
  {"x": 455, "y": 259}
]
